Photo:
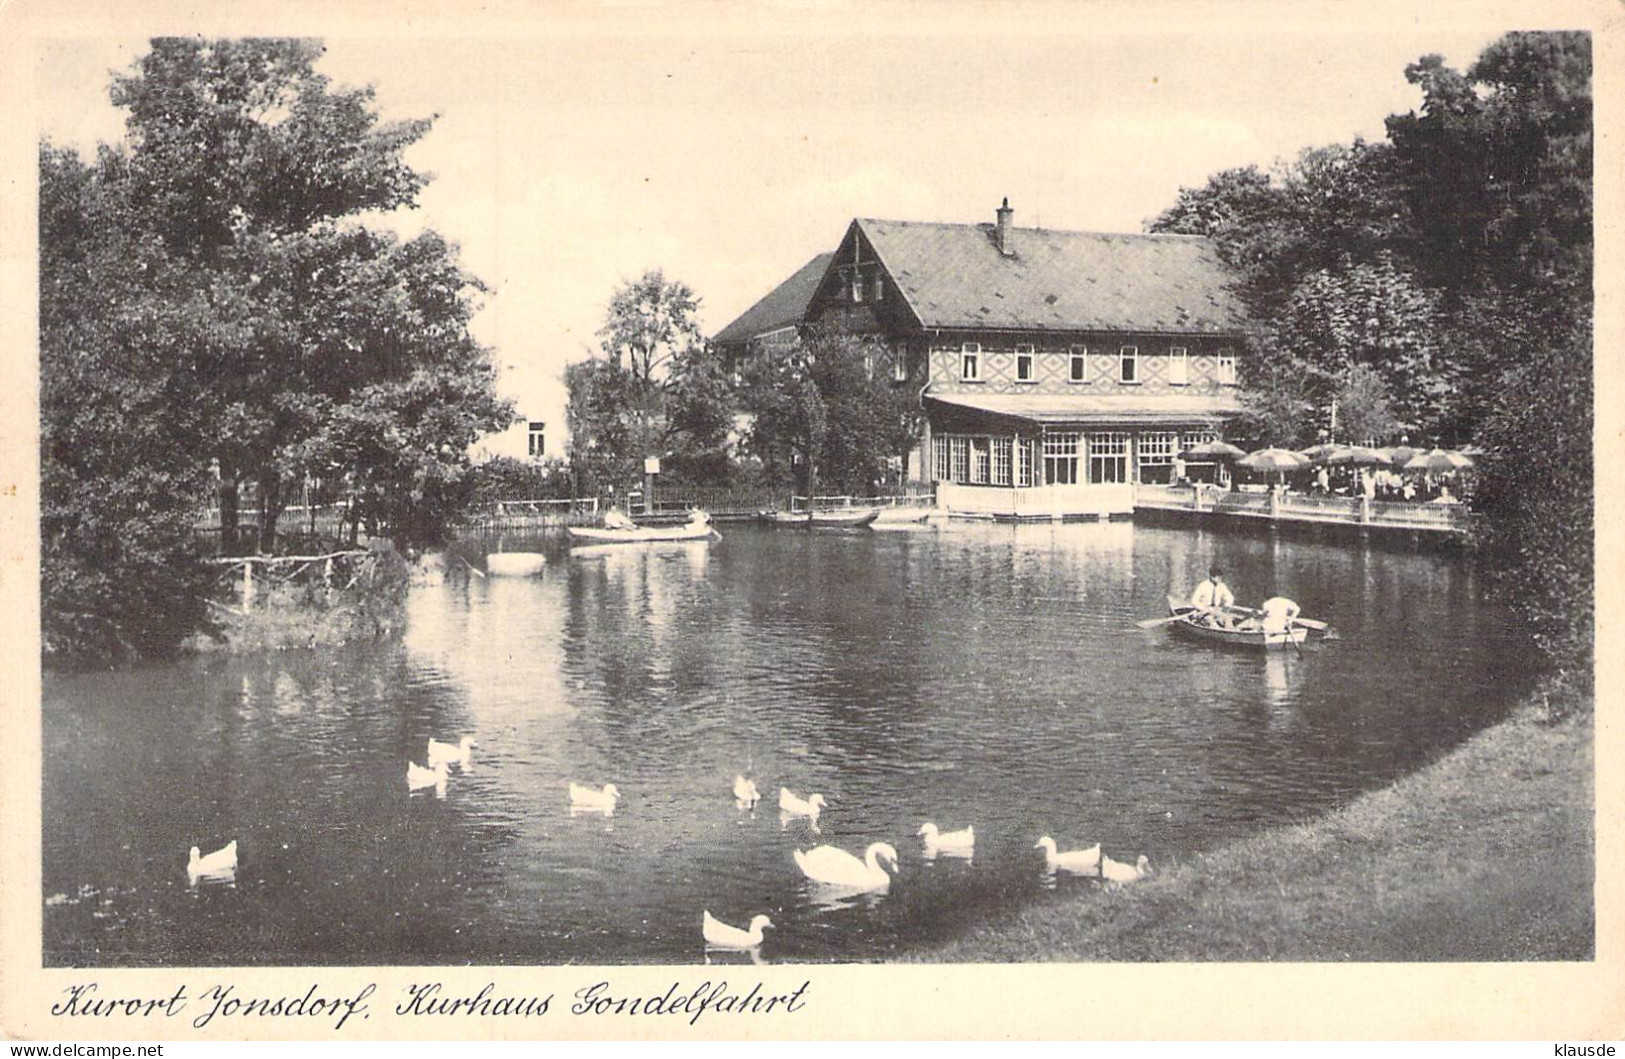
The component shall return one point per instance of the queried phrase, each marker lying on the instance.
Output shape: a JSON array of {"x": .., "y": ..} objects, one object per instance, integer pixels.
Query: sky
[{"x": 571, "y": 158}]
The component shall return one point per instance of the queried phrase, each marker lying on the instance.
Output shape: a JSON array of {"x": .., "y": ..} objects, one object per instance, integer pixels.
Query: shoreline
[{"x": 1487, "y": 853}]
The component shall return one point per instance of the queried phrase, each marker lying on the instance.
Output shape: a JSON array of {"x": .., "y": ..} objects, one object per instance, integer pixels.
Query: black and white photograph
[{"x": 751, "y": 489}]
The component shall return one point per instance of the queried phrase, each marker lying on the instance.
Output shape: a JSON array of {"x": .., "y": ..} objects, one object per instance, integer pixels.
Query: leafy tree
[
  {"x": 651, "y": 323},
  {"x": 1364, "y": 408}
]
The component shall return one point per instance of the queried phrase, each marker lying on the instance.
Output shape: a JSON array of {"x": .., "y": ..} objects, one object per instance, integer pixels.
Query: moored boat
[
  {"x": 1192, "y": 624},
  {"x": 514, "y": 564},
  {"x": 902, "y": 516},
  {"x": 833, "y": 518},
  {"x": 687, "y": 531}
]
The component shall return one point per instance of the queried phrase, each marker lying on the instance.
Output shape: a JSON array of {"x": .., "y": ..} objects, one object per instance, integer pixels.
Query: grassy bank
[{"x": 1487, "y": 854}]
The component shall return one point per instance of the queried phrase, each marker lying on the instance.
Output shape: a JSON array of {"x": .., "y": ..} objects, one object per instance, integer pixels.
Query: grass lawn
[{"x": 1487, "y": 854}]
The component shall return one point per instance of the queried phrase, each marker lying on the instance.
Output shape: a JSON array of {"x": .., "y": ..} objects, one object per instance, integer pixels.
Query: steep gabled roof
[
  {"x": 783, "y": 306},
  {"x": 953, "y": 276}
]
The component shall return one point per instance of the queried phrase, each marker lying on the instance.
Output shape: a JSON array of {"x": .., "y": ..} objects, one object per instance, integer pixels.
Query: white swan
[
  {"x": 451, "y": 753},
  {"x": 959, "y": 842},
  {"x": 837, "y": 867},
  {"x": 419, "y": 778},
  {"x": 745, "y": 793},
  {"x": 222, "y": 861},
  {"x": 591, "y": 798},
  {"x": 1118, "y": 872},
  {"x": 720, "y": 935},
  {"x": 790, "y": 805},
  {"x": 1077, "y": 861}
]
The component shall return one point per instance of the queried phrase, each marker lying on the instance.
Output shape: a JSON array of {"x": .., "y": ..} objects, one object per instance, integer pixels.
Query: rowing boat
[
  {"x": 515, "y": 564},
  {"x": 1191, "y": 623},
  {"x": 835, "y": 518},
  {"x": 902, "y": 516},
  {"x": 687, "y": 531}
]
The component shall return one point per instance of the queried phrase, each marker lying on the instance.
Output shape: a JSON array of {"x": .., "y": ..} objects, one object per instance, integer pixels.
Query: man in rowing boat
[
  {"x": 615, "y": 518},
  {"x": 1213, "y": 598},
  {"x": 1275, "y": 617}
]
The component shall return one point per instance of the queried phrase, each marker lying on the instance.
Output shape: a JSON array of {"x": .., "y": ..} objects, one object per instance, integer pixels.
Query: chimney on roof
[{"x": 1006, "y": 247}]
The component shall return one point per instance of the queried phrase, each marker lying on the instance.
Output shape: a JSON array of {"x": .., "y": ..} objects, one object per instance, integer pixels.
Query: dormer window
[{"x": 970, "y": 362}]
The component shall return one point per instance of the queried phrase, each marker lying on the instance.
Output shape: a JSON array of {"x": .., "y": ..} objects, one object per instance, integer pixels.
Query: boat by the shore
[
  {"x": 514, "y": 564},
  {"x": 1190, "y": 623},
  {"x": 687, "y": 531},
  {"x": 833, "y": 518},
  {"x": 902, "y": 516}
]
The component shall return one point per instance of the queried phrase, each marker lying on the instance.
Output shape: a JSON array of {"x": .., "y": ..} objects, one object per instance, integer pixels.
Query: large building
[{"x": 1057, "y": 369}]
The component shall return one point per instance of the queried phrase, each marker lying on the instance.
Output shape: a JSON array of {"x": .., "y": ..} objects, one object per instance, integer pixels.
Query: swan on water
[
  {"x": 419, "y": 778},
  {"x": 1077, "y": 861},
  {"x": 594, "y": 799},
  {"x": 222, "y": 861},
  {"x": 1118, "y": 872},
  {"x": 720, "y": 935},
  {"x": 745, "y": 792},
  {"x": 837, "y": 867},
  {"x": 451, "y": 753},
  {"x": 957, "y": 842},
  {"x": 790, "y": 805}
]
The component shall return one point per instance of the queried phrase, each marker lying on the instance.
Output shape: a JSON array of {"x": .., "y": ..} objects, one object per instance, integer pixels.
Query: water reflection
[{"x": 980, "y": 674}]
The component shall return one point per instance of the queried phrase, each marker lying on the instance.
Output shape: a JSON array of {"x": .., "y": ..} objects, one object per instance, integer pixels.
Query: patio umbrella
[
  {"x": 1318, "y": 453},
  {"x": 1213, "y": 450},
  {"x": 1282, "y": 460},
  {"x": 1399, "y": 454},
  {"x": 1358, "y": 456},
  {"x": 1438, "y": 461}
]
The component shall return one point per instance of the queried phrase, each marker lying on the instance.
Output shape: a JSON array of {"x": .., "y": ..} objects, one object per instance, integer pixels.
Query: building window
[
  {"x": 1080, "y": 365},
  {"x": 1227, "y": 367},
  {"x": 538, "y": 439},
  {"x": 1024, "y": 463},
  {"x": 1001, "y": 461},
  {"x": 1179, "y": 366},
  {"x": 1024, "y": 364},
  {"x": 958, "y": 458},
  {"x": 941, "y": 469},
  {"x": 1129, "y": 359},
  {"x": 1192, "y": 438},
  {"x": 879, "y": 287},
  {"x": 857, "y": 286},
  {"x": 979, "y": 466},
  {"x": 970, "y": 362},
  {"x": 899, "y": 365},
  {"x": 1156, "y": 456},
  {"x": 1061, "y": 459},
  {"x": 1108, "y": 458}
]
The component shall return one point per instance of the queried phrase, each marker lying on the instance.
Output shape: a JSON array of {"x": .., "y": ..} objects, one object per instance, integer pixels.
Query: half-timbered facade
[{"x": 1056, "y": 368}]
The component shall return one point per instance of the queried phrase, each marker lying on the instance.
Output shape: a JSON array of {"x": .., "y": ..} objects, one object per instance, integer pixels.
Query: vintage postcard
[{"x": 794, "y": 520}]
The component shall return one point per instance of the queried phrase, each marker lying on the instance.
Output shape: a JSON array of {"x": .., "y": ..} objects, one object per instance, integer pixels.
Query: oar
[{"x": 1152, "y": 623}]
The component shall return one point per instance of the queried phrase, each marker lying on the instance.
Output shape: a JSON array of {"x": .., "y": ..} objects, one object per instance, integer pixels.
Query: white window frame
[
  {"x": 1108, "y": 445},
  {"x": 1079, "y": 359},
  {"x": 1127, "y": 356},
  {"x": 970, "y": 362},
  {"x": 879, "y": 293},
  {"x": 981, "y": 460},
  {"x": 899, "y": 365},
  {"x": 941, "y": 467},
  {"x": 1001, "y": 461},
  {"x": 1030, "y": 353},
  {"x": 1226, "y": 369},
  {"x": 1179, "y": 366},
  {"x": 1024, "y": 463},
  {"x": 958, "y": 458},
  {"x": 1061, "y": 449}
]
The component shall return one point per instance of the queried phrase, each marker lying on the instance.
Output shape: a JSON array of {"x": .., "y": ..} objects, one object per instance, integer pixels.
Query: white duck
[
  {"x": 790, "y": 805},
  {"x": 451, "y": 753},
  {"x": 837, "y": 867},
  {"x": 1077, "y": 861},
  {"x": 593, "y": 799},
  {"x": 720, "y": 935},
  {"x": 418, "y": 778},
  {"x": 961, "y": 843},
  {"x": 1118, "y": 872},
  {"x": 745, "y": 793},
  {"x": 222, "y": 861}
]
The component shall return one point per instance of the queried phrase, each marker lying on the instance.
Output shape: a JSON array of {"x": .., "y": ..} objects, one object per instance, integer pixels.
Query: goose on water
[
  {"x": 745, "y": 792},
  {"x": 790, "y": 805},
  {"x": 451, "y": 753},
  {"x": 1077, "y": 861},
  {"x": 837, "y": 867},
  {"x": 593, "y": 798},
  {"x": 720, "y": 935},
  {"x": 222, "y": 861},
  {"x": 419, "y": 778},
  {"x": 961, "y": 842},
  {"x": 1118, "y": 872}
]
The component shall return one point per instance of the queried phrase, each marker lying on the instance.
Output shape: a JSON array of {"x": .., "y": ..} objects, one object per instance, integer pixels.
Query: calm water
[{"x": 982, "y": 675}]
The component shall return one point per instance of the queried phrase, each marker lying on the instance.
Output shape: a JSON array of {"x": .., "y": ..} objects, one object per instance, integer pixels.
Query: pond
[{"x": 971, "y": 674}]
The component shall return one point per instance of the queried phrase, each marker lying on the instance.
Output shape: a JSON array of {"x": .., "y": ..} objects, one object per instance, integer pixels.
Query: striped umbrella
[
  {"x": 1438, "y": 461},
  {"x": 1282, "y": 460},
  {"x": 1213, "y": 450},
  {"x": 1318, "y": 453},
  {"x": 1358, "y": 456}
]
